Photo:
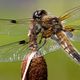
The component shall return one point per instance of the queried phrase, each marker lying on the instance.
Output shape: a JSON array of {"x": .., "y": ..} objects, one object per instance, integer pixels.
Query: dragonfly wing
[
  {"x": 49, "y": 47},
  {"x": 19, "y": 27},
  {"x": 76, "y": 36},
  {"x": 73, "y": 32},
  {"x": 71, "y": 16},
  {"x": 18, "y": 50},
  {"x": 15, "y": 21},
  {"x": 14, "y": 51},
  {"x": 69, "y": 34}
]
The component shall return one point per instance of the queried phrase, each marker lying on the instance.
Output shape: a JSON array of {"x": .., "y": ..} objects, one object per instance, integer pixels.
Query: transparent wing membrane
[
  {"x": 13, "y": 30},
  {"x": 49, "y": 47},
  {"x": 70, "y": 13},
  {"x": 15, "y": 21},
  {"x": 18, "y": 50},
  {"x": 74, "y": 31},
  {"x": 14, "y": 51},
  {"x": 76, "y": 36},
  {"x": 72, "y": 16}
]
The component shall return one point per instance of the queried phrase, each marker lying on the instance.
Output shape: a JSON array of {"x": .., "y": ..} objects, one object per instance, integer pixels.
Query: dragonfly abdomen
[
  {"x": 73, "y": 53},
  {"x": 67, "y": 46}
]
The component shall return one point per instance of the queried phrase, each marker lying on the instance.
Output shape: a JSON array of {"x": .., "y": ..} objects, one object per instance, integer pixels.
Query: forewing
[
  {"x": 14, "y": 51},
  {"x": 15, "y": 21},
  {"x": 71, "y": 17},
  {"x": 16, "y": 27}
]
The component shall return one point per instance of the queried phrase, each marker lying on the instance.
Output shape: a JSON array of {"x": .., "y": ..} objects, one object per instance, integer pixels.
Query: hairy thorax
[{"x": 50, "y": 25}]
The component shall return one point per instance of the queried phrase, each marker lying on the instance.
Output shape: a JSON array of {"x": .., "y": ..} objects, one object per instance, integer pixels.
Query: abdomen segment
[{"x": 67, "y": 46}]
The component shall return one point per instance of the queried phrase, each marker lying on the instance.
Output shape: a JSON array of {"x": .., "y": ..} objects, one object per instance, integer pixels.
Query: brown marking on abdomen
[{"x": 67, "y": 46}]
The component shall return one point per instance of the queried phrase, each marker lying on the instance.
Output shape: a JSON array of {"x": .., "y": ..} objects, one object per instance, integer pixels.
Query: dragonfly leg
[
  {"x": 42, "y": 44},
  {"x": 40, "y": 40}
]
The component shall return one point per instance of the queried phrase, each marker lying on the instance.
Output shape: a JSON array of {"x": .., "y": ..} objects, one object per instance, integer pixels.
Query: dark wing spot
[
  {"x": 13, "y": 21},
  {"x": 22, "y": 42}
]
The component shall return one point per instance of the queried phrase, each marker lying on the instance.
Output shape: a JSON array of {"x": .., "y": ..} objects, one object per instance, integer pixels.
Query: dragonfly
[{"x": 69, "y": 27}]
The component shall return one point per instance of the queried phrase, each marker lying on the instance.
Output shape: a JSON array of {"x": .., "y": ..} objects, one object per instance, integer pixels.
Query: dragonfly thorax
[
  {"x": 56, "y": 24},
  {"x": 50, "y": 25}
]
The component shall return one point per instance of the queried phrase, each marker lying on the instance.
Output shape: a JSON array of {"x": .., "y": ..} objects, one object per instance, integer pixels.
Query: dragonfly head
[{"x": 38, "y": 14}]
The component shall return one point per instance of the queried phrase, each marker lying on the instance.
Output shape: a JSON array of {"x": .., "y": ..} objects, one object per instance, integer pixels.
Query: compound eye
[{"x": 38, "y": 14}]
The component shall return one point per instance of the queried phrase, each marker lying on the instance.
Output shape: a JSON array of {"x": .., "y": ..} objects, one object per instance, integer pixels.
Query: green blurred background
[{"x": 60, "y": 66}]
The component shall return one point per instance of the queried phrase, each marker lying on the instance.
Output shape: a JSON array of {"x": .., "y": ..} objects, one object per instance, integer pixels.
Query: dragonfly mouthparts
[{"x": 13, "y": 21}]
